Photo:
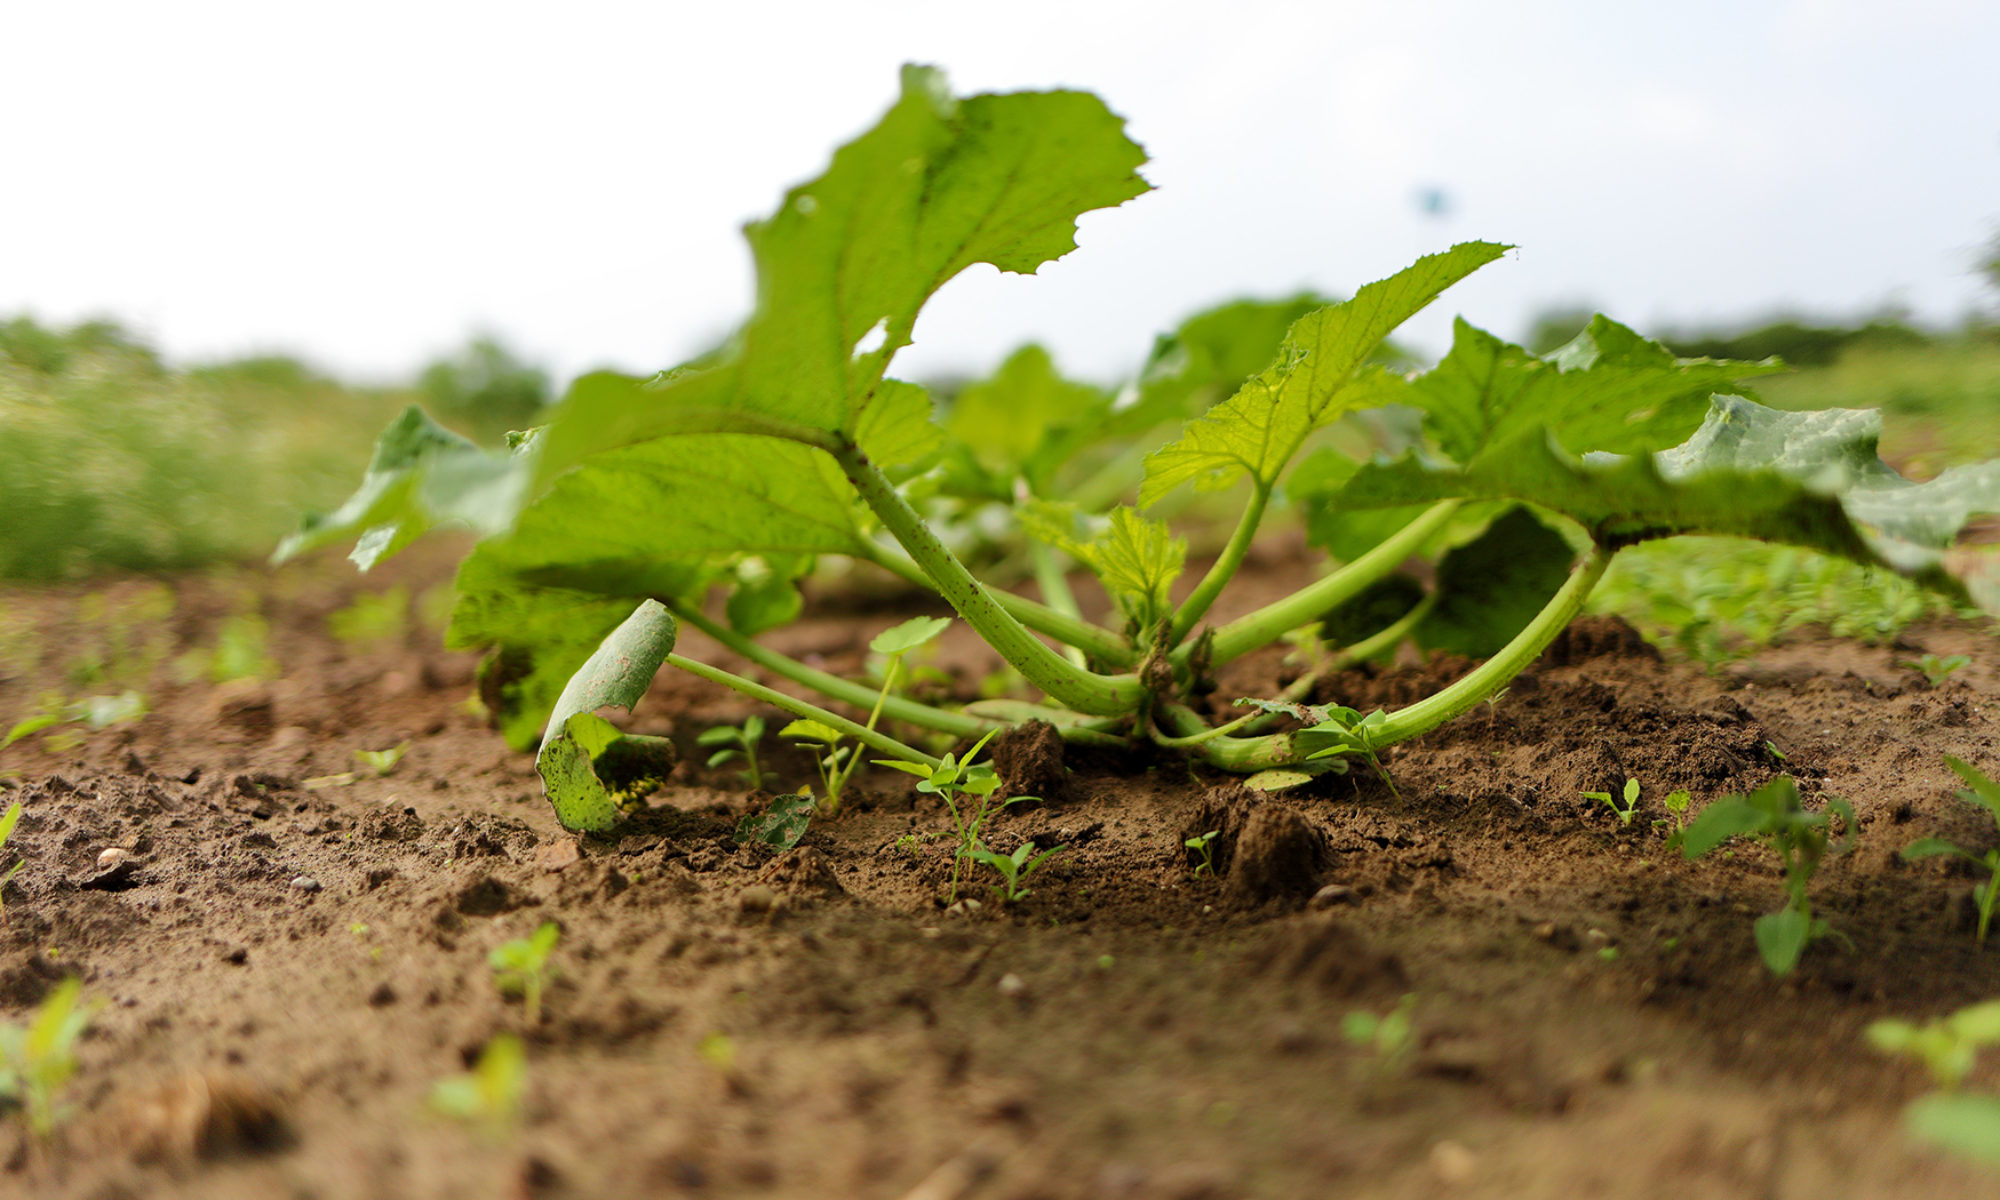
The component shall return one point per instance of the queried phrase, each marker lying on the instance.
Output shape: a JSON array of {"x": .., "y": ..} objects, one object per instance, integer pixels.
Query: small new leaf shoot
[
  {"x": 7, "y": 824},
  {"x": 1773, "y": 815},
  {"x": 488, "y": 1097},
  {"x": 1936, "y": 669},
  {"x": 521, "y": 967},
  {"x": 36, "y": 1060},
  {"x": 1014, "y": 868},
  {"x": 380, "y": 762},
  {"x": 1624, "y": 810},
  {"x": 738, "y": 741},
  {"x": 1204, "y": 848},
  {"x": 1984, "y": 793},
  {"x": 1389, "y": 1037}
]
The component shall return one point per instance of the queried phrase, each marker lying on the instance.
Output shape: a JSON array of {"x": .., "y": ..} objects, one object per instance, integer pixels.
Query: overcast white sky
[{"x": 365, "y": 183}]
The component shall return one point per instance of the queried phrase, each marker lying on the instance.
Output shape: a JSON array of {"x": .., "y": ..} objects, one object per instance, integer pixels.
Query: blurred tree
[{"x": 486, "y": 385}]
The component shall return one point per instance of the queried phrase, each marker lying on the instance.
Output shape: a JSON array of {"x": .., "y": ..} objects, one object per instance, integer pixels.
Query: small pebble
[
  {"x": 111, "y": 857},
  {"x": 1013, "y": 986},
  {"x": 1330, "y": 895},
  {"x": 757, "y": 898},
  {"x": 1453, "y": 1163},
  {"x": 306, "y": 883}
]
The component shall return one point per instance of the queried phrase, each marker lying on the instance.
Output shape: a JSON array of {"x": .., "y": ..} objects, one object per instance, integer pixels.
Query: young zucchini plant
[
  {"x": 1982, "y": 792},
  {"x": 607, "y": 529}
]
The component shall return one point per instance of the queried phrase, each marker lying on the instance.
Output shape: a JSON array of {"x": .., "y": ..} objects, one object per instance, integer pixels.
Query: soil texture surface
[{"x": 288, "y": 961}]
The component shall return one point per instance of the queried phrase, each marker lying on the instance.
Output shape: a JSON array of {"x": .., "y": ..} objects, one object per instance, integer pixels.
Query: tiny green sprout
[
  {"x": 952, "y": 781},
  {"x": 1390, "y": 1037},
  {"x": 1676, "y": 804},
  {"x": 1014, "y": 868},
  {"x": 718, "y": 1050},
  {"x": 1948, "y": 1046},
  {"x": 782, "y": 825},
  {"x": 1623, "y": 811},
  {"x": 1966, "y": 1123},
  {"x": 1774, "y": 816},
  {"x": 37, "y": 1060},
  {"x": 1986, "y": 794},
  {"x": 835, "y": 761},
  {"x": 489, "y": 1096},
  {"x": 522, "y": 967},
  {"x": 6, "y": 831},
  {"x": 1936, "y": 669},
  {"x": 380, "y": 762},
  {"x": 1204, "y": 846},
  {"x": 1772, "y": 748},
  {"x": 737, "y": 741},
  {"x": 358, "y": 929}
]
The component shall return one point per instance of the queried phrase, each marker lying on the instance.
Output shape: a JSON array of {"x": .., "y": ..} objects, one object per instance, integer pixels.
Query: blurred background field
[{"x": 115, "y": 461}]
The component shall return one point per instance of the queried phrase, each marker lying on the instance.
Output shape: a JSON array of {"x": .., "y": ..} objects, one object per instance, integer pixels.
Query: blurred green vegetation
[{"x": 110, "y": 460}]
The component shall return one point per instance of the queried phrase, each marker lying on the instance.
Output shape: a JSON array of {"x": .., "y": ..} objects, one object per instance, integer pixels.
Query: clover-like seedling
[
  {"x": 737, "y": 741},
  {"x": 1936, "y": 669},
  {"x": 521, "y": 967},
  {"x": 1967, "y": 1123},
  {"x": 488, "y": 1096},
  {"x": 380, "y": 762},
  {"x": 952, "y": 781},
  {"x": 1014, "y": 868},
  {"x": 1389, "y": 1037},
  {"x": 36, "y": 1060},
  {"x": 835, "y": 761},
  {"x": 1204, "y": 846},
  {"x": 1623, "y": 811},
  {"x": 1948, "y": 1046},
  {"x": 1986, "y": 794},
  {"x": 1773, "y": 815},
  {"x": 7, "y": 824},
  {"x": 781, "y": 826}
]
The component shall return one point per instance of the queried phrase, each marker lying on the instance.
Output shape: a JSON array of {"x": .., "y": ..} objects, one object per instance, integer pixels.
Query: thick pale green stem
[
  {"x": 1267, "y": 624},
  {"x": 1492, "y": 675},
  {"x": 1068, "y": 684},
  {"x": 896, "y": 708},
  {"x": 1241, "y": 755},
  {"x": 1094, "y": 640},
  {"x": 800, "y": 708},
  {"x": 1197, "y": 604}
]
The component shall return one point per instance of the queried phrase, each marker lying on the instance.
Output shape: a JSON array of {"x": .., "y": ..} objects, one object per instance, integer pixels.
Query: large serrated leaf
[
  {"x": 849, "y": 258},
  {"x": 1610, "y": 390},
  {"x": 1007, "y": 421},
  {"x": 1136, "y": 558},
  {"x": 1808, "y": 479},
  {"x": 590, "y": 771},
  {"x": 1316, "y": 377}
]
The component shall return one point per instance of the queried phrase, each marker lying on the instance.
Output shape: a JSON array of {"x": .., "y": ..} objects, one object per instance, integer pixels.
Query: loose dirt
[{"x": 287, "y": 970}]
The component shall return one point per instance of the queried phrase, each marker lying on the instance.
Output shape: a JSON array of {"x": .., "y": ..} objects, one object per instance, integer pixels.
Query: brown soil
[{"x": 287, "y": 971}]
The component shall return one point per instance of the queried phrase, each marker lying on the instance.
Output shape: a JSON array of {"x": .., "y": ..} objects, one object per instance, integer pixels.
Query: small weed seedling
[
  {"x": 1389, "y": 1037},
  {"x": 1014, "y": 868},
  {"x": 36, "y": 1061},
  {"x": 1936, "y": 669},
  {"x": 1962, "y": 1122},
  {"x": 1676, "y": 804},
  {"x": 782, "y": 826},
  {"x": 837, "y": 761},
  {"x": 1204, "y": 847},
  {"x": 521, "y": 967},
  {"x": 1625, "y": 811},
  {"x": 952, "y": 782},
  {"x": 380, "y": 762},
  {"x": 737, "y": 741},
  {"x": 6, "y": 831},
  {"x": 1984, "y": 793},
  {"x": 1773, "y": 815},
  {"x": 488, "y": 1097},
  {"x": 1948, "y": 1046},
  {"x": 96, "y": 712}
]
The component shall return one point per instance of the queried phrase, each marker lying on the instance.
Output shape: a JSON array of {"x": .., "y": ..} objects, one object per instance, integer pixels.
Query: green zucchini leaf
[{"x": 1318, "y": 375}]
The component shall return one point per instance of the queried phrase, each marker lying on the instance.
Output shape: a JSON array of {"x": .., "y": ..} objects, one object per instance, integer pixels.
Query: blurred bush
[
  {"x": 485, "y": 387},
  {"x": 111, "y": 461}
]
